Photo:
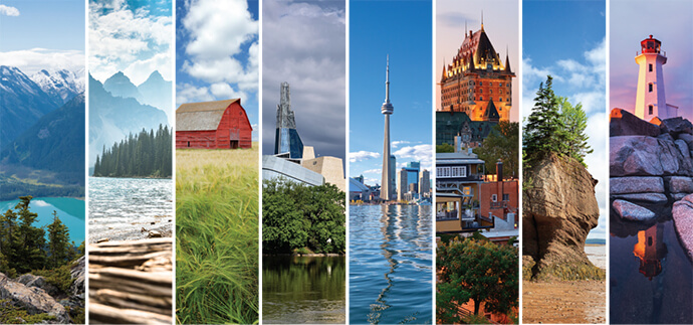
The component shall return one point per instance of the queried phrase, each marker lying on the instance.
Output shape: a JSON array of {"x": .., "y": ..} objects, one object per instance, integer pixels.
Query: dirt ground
[{"x": 563, "y": 302}]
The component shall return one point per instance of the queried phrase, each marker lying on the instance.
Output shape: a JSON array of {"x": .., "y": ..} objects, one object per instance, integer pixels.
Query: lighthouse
[
  {"x": 650, "y": 101},
  {"x": 387, "y": 186}
]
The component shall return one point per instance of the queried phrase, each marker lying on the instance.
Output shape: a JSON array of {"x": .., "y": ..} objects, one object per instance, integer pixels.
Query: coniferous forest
[{"x": 147, "y": 154}]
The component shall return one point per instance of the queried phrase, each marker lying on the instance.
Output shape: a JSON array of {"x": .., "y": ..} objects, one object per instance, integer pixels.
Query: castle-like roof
[{"x": 476, "y": 52}]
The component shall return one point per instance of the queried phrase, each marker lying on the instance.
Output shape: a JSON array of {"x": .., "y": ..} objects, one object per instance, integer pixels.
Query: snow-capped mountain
[
  {"x": 63, "y": 84},
  {"x": 119, "y": 85},
  {"x": 22, "y": 103},
  {"x": 157, "y": 92}
]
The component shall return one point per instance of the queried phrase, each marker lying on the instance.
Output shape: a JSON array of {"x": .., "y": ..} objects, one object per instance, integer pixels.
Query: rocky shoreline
[{"x": 651, "y": 170}]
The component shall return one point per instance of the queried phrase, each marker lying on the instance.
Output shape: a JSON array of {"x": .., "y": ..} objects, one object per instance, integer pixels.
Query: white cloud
[
  {"x": 187, "y": 93},
  {"x": 362, "y": 155},
  {"x": 396, "y": 144},
  {"x": 373, "y": 171},
  {"x": 9, "y": 11},
  {"x": 422, "y": 153},
  {"x": 133, "y": 42},
  {"x": 34, "y": 60},
  {"x": 218, "y": 31}
]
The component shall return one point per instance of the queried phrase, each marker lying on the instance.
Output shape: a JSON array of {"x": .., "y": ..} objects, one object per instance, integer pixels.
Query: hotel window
[
  {"x": 481, "y": 83},
  {"x": 481, "y": 98},
  {"x": 506, "y": 197},
  {"x": 650, "y": 87},
  {"x": 650, "y": 67},
  {"x": 651, "y": 109},
  {"x": 494, "y": 198},
  {"x": 443, "y": 172},
  {"x": 481, "y": 91}
]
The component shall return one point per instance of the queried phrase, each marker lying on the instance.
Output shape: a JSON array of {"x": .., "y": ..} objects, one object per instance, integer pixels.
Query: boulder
[
  {"x": 636, "y": 184},
  {"x": 687, "y": 138},
  {"x": 633, "y": 212},
  {"x": 560, "y": 208},
  {"x": 646, "y": 156},
  {"x": 77, "y": 274},
  {"x": 683, "y": 223},
  {"x": 32, "y": 299},
  {"x": 676, "y": 126},
  {"x": 678, "y": 184},
  {"x": 683, "y": 148},
  {"x": 625, "y": 123},
  {"x": 31, "y": 280},
  {"x": 649, "y": 198},
  {"x": 677, "y": 196}
]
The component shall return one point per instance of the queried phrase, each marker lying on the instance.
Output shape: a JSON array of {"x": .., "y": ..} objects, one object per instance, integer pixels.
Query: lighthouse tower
[{"x": 650, "y": 101}]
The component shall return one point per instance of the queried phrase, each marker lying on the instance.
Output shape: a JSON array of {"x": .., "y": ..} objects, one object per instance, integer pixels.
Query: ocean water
[
  {"x": 390, "y": 264},
  {"x": 70, "y": 211},
  {"x": 303, "y": 290},
  {"x": 597, "y": 255},
  {"x": 120, "y": 207}
]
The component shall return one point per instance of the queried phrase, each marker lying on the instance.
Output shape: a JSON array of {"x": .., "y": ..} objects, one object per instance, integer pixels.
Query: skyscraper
[
  {"x": 386, "y": 189},
  {"x": 286, "y": 139}
]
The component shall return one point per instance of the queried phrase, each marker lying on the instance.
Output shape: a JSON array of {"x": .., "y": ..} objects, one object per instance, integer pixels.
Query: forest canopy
[{"x": 147, "y": 154}]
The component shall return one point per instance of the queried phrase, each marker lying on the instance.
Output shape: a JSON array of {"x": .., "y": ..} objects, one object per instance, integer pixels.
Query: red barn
[{"x": 221, "y": 124}]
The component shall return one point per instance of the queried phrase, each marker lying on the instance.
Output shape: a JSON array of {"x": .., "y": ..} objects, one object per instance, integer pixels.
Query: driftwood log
[{"x": 131, "y": 282}]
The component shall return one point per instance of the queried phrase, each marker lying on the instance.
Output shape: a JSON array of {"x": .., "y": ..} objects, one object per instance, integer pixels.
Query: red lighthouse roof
[{"x": 651, "y": 45}]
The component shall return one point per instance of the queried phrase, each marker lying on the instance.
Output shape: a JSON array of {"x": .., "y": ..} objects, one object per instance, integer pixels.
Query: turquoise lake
[{"x": 70, "y": 211}]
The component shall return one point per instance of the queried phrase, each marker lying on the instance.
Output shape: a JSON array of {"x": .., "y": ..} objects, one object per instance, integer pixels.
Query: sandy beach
[{"x": 572, "y": 302}]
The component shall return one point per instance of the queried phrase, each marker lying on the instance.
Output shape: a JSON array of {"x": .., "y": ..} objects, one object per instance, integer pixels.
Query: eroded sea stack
[
  {"x": 651, "y": 170},
  {"x": 560, "y": 208}
]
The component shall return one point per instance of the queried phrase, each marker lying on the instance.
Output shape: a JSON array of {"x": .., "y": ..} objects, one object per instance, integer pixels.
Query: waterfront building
[
  {"x": 477, "y": 82},
  {"x": 650, "y": 99},
  {"x": 401, "y": 184},
  {"x": 386, "y": 188},
  {"x": 424, "y": 182},
  {"x": 286, "y": 138},
  {"x": 219, "y": 124}
]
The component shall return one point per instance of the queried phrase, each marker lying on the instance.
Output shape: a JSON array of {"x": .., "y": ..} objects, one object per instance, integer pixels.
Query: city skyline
[
  {"x": 579, "y": 73},
  {"x": 379, "y": 29}
]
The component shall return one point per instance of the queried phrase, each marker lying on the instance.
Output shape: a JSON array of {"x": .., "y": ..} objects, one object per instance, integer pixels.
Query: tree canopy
[
  {"x": 477, "y": 270},
  {"x": 554, "y": 126},
  {"x": 296, "y": 216},
  {"x": 502, "y": 143},
  {"x": 145, "y": 154}
]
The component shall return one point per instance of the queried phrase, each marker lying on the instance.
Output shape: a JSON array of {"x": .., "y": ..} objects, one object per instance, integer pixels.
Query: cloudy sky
[
  {"x": 130, "y": 36},
  {"x": 501, "y": 23},
  {"x": 57, "y": 42},
  {"x": 217, "y": 53},
  {"x": 401, "y": 29},
  {"x": 630, "y": 24},
  {"x": 303, "y": 43},
  {"x": 575, "y": 55}
]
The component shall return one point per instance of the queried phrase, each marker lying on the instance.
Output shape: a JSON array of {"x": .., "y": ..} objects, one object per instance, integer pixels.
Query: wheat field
[{"x": 217, "y": 236}]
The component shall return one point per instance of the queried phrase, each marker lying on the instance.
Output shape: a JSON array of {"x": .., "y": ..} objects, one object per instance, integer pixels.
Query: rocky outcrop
[
  {"x": 31, "y": 280},
  {"x": 77, "y": 274},
  {"x": 560, "y": 208},
  {"x": 625, "y": 123},
  {"x": 32, "y": 299},
  {"x": 683, "y": 222}
]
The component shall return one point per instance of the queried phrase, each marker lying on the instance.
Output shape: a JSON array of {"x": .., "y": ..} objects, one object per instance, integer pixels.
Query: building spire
[
  {"x": 387, "y": 80},
  {"x": 482, "y": 20}
]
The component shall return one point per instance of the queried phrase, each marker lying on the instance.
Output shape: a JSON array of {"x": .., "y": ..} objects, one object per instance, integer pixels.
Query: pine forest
[{"x": 147, "y": 154}]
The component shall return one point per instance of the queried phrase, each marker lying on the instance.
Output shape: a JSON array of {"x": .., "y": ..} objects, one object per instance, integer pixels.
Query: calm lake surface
[
  {"x": 120, "y": 207},
  {"x": 390, "y": 264},
  {"x": 70, "y": 211},
  {"x": 299, "y": 290},
  {"x": 651, "y": 278}
]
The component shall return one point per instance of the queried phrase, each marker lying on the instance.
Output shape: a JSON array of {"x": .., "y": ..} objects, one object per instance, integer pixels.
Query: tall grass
[{"x": 217, "y": 236}]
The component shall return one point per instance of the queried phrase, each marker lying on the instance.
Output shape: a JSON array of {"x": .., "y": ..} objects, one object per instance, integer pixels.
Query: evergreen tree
[
  {"x": 31, "y": 252},
  {"x": 59, "y": 243},
  {"x": 545, "y": 131},
  {"x": 575, "y": 121},
  {"x": 502, "y": 143}
]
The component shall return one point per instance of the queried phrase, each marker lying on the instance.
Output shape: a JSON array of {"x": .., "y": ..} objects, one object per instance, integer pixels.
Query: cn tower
[{"x": 386, "y": 186}]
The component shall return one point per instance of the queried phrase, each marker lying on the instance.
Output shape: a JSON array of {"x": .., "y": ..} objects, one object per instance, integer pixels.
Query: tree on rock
[
  {"x": 59, "y": 243},
  {"x": 575, "y": 121}
]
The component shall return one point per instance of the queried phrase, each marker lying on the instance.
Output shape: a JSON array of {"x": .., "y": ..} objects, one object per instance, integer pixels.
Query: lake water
[
  {"x": 390, "y": 264},
  {"x": 299, "y": 290},
  {"x": 70, "y": 211},
  {"x": 120, "y": 207},
  {"x": 651, "y": 278}
]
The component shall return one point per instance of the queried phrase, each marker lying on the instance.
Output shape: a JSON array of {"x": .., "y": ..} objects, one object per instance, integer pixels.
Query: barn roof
[{"x": 201, "y": 116}]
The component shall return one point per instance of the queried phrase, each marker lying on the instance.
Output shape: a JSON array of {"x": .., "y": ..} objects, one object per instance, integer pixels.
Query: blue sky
[
  {"x": 402, "y": 29},
  {"x": 36, "y": 35},
  {"x": 217, "y": 53},
  {"x": 630, "y": 25},
  {"x": 130, "y": 36},
  {"x": 566, "y": 39}
]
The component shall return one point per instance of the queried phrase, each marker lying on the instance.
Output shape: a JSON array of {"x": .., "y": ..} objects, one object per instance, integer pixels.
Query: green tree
[
  {"x": 545, "y": 131},
  {"x": 575, "y": 120},
  {"x": 31, "y": 253},
  {"x": 445, "y": 147},
  {"x": 477, "y": 270},
  {"x": 502, "y": 143},
  {"x": 59, "y": 246}
]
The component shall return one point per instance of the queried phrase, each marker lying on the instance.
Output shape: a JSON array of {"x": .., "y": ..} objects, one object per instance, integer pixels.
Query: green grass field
[{"x": 217, "y": 236}]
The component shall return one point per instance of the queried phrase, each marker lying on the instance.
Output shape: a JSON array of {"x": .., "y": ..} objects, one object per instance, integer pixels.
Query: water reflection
[
  {"x": 390, "y": 270},
  {"x": 651, "y": 250},
  {"x": 299, "y": 289}
]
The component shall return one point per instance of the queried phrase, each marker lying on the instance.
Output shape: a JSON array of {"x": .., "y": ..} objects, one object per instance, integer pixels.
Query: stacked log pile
[{"x": 130, "y": 282}]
